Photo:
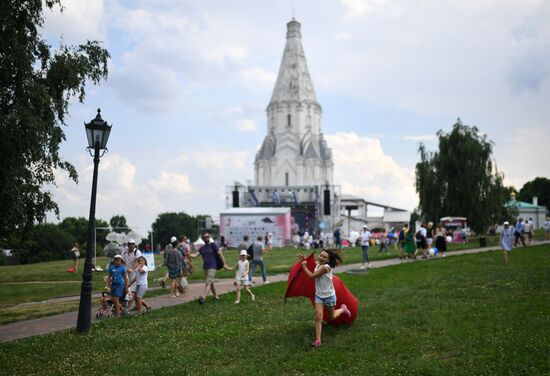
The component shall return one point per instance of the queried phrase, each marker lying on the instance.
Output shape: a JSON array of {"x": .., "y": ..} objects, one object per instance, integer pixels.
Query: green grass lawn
[
  {"x": 56, "y": 282},
  {"x": 467, "y": 315}
]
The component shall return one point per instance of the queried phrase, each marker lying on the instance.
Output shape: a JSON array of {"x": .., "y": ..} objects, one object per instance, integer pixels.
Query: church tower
[{"x": 294, "y": 152}]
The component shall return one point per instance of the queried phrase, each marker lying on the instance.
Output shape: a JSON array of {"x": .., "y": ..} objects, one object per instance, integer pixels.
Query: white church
[{"x": 294, "y": 165}]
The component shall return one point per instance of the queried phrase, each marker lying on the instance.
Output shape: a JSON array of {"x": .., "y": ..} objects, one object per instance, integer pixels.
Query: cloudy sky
[{"x": 189, "y": 82}]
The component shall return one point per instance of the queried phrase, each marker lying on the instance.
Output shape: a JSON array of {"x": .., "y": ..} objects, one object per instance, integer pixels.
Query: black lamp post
[{"x": 98, "y": 132}]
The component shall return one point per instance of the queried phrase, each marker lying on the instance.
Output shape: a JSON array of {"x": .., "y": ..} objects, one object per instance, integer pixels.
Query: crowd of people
[{"x": 128, "y": 272}]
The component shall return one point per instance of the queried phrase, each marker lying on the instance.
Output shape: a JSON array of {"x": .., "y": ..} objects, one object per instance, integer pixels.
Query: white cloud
[
  {"x": 358, "y": 8},
  {"x": 146, "y": 87},
  {"x": 172, "y": 183},
  {"x": 421, "y": 138},
  {"x": 342, "y": 36},
  {"x": 521, "y": 154},
  {"x": 258, "y": 75},
  {"x": 362, "y": 168},
  {"x": 246, "y": 125},
  {"x": 79, "y": 21}
]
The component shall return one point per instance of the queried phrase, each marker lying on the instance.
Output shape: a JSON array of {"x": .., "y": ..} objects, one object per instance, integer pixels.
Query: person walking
[
  {"x": 174, "y": 262},
  {"x": 325, "y": 295},
  {"x": 337, "y": 238},
  {"x": 130, "y": 256},
  {"x": 258, "y": 250},
  {"x": 141, "y": 273},
  {"x": 518, "y": 233},
  {"x": 528, "y": 231},
  {"x": 365, "y": 236},
  {"x": 441, "y": 240},
  {"x": 410, "y": 245},
  {"x": 401, "y": 238},
  {"x": 118, "y": 281},
  {"x": 506, "y": 240},
  {"x": 430, "y": 232},
  {"x": 421, "y": 244},
  {"x": 209, "y": 253},
  {"x": 241, "y": 276}
]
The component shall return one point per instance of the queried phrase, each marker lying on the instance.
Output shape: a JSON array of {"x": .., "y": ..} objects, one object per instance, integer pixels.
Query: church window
[
  {"x": 289, "y": 118},
  {"x": 286, "y": 177}
]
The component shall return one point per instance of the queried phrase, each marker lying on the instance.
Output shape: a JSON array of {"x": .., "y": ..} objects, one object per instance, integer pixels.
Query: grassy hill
[{"x": 467, "y": 315}]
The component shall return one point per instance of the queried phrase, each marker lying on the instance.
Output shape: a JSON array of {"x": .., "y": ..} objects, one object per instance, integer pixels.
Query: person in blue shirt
[{"x": 118, "y": 280}]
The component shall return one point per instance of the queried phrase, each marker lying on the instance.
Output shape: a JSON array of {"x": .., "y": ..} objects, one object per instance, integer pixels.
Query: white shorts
[{"x": 140, "y": 290}]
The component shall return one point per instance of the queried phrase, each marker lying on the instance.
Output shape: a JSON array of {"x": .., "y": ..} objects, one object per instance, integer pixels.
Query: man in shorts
[{"x": 209, "y": 265}]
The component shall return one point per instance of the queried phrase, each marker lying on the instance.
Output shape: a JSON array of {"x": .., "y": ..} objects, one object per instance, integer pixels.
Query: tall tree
[
  {"x": 36, "y": 85},
  {"x": 538, "y": 187},
  {"x": 173, "y": 224},
  {"x": 460, "y": 179},
  {"x": 119, "y": 221}
]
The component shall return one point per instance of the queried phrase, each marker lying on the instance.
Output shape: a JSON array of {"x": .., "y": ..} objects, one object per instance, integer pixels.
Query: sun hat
[
  {"x": 131, "y": 241},
  {"x": 506, "y": 223},
  {"x": 117, "y": 256},
  {"x": 243, "y": 252}
]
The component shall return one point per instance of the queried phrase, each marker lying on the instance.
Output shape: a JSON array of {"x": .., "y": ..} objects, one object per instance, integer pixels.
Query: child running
[
  {"x": 241, "y": 276},
  {"x": 118, "y": 280},
  {"x": 325, "y": 295}
]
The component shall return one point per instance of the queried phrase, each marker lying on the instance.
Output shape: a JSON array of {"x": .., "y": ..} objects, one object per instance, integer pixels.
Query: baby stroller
[{"x": 107, "y": 307}]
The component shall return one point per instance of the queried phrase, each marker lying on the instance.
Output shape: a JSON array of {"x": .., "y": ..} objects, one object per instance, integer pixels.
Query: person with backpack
[{"x": 212, "y": 260}]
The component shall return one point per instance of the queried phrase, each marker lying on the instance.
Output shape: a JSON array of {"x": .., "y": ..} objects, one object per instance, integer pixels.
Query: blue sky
[{"x": 190, "y": 80}]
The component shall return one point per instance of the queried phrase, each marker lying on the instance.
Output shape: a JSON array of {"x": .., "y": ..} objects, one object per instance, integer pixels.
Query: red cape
[{"x": 299, "y": 284}]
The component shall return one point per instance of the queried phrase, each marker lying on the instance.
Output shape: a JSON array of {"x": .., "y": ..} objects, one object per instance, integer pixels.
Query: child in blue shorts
[
  {"x": 325, "y": 295},
  {"x": 118, "y": 280}
]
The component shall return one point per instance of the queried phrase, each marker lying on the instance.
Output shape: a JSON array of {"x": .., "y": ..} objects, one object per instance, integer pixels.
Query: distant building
[
  {"x": 528, "y": 210},
  {"x": 294, "y": 165}
]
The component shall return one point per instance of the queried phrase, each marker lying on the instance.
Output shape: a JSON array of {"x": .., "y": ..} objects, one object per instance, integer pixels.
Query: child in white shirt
[{"x": 241, "y": 276}]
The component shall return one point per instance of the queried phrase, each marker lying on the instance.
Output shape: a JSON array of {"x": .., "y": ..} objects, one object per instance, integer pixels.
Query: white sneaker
[
  {"x": 362, "y": 267},
  {"x": 237, "y": 302},
  {"x": 266, "y": 282},
  {"x": 368, "y": 264}
]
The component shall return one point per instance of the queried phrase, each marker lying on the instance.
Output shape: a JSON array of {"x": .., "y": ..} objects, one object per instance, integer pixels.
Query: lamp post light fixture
[{"x": 98, "y": 132}]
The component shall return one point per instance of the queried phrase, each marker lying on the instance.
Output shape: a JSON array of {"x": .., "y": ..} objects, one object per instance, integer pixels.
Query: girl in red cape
[{"x": 325, "y": 295}]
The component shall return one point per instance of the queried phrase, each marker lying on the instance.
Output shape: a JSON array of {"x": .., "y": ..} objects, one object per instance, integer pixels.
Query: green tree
[
  {"x": 36, "y": 86},
  {"x": 173, "y": 224},
  {"x": 46, "y": 242},
  {"x": 460, "y": 179},
  {"x": 76, "y": 227},
  {"x": 119, "y": 221},
  {"x": 539, "y": 187}
]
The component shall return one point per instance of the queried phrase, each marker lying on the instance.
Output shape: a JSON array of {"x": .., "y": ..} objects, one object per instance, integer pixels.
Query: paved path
[{"x": 29, "y": 328}]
